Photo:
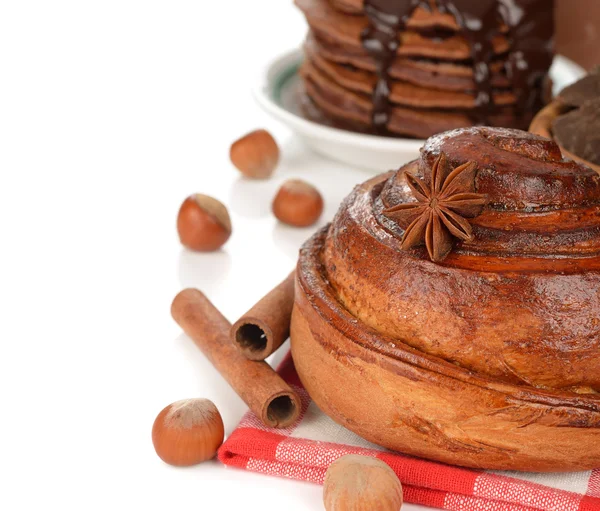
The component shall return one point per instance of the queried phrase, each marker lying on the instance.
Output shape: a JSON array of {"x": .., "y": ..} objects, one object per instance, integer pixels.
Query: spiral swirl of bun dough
[{"x": 521, "y": 301}]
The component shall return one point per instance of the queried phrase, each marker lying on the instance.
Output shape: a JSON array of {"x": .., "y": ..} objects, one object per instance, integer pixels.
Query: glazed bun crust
[{"x": 488, "y": 357}]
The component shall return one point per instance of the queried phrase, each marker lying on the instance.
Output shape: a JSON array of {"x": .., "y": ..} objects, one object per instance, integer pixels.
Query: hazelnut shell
[
  {"x": 203, "y": 223},
  {"x": 361, "y": 483},
  {"x": 188, "y": 432},
  {"x": 298, "y": 203},
  {"x": 255, "y": 155}
]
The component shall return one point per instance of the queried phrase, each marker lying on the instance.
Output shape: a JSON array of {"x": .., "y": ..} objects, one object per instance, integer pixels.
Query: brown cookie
[
  {"x": 581, "y": 91},
  {"x": 578, "y": 131},
  {"x": 439, "y": 38},
  {"x": 402, "y": 93},
  {"x": 344, "y": 106},
  {"x": 441, "y": 75}
]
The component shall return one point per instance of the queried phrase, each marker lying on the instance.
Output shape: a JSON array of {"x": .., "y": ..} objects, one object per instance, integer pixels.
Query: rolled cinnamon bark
[
  {"x": 266, "y": 326},
  {"x": 261, "y": 388}
]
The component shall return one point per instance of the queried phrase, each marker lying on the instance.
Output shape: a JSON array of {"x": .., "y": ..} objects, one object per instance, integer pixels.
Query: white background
[{"x": 111, "y": 113}]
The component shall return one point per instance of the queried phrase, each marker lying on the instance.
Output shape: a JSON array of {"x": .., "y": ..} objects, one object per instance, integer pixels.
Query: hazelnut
[
  {"x": 188, "y": 432},
  {"x": 255, "y": 155},
  {"x": 298, "y": 203},
  {"x": 203, "y": 223},
  {"x": 360, "y": 483}
]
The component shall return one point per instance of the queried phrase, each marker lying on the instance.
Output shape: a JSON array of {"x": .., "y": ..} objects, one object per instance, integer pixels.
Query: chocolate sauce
[
  {"x": 530, "y": 24},
  {"x": 387, "y": 18},
  {"x": 480, "y": 21}
]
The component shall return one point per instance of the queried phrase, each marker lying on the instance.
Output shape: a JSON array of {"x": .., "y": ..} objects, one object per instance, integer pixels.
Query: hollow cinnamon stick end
[
  {"x": 253, "y": 337},
  {"x": 282, "y": 409}
]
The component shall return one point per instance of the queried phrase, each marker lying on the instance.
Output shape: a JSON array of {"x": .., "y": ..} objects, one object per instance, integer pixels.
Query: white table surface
[{"x": 111, "y": 113}]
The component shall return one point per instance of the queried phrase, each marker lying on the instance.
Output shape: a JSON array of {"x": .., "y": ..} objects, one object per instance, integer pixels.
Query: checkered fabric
[{"x": 305, "y": 450}]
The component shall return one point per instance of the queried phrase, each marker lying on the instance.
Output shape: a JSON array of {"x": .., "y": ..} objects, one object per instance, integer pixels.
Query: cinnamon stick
[
  {"x": 261, "y": 388},
  {"x": 266, "y": 326}
]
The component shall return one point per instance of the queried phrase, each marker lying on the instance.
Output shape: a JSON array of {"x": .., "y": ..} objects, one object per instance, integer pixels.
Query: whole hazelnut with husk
[
  {"x": 203, "y": 223},
  {"x": 188, "y": 432},
  {"x": 361, "y": 483},
  {"x": 298, "y": 203},
  {"x": 255, "y": 155}
]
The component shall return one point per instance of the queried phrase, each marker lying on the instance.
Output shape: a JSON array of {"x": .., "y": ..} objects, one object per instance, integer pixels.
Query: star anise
[{"x": 441, "y": 209}]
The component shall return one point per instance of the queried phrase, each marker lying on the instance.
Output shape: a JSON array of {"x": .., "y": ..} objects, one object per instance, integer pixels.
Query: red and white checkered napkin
[{"x": 305, "y": 450}]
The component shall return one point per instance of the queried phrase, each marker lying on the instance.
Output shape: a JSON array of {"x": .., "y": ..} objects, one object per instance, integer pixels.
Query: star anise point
[{"x": 441, "y": 208}]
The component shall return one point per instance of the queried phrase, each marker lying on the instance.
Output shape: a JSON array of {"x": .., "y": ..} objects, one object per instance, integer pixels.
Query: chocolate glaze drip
[
  {"x": 386, "y": 19},
  {"x": 479, "y": 20},
  {"x": 531, "y": 36},
  {"x": 530, "y": 25}
]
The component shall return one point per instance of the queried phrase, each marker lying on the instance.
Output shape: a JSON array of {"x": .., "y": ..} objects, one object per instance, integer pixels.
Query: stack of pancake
[{"x": 449, "y": 63}]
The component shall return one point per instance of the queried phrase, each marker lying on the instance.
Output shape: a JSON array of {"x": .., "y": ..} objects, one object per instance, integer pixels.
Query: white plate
[{"x": 277, "y": 93}]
